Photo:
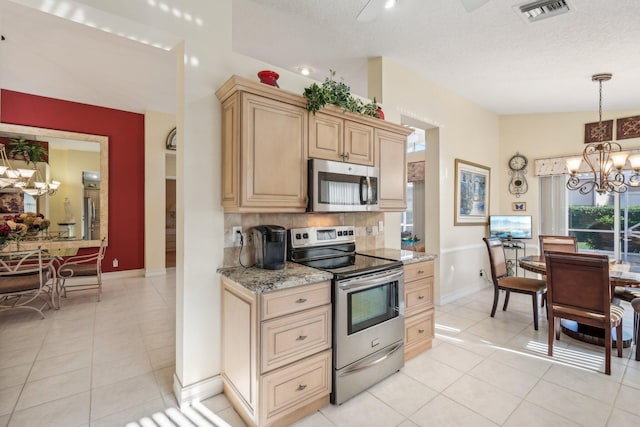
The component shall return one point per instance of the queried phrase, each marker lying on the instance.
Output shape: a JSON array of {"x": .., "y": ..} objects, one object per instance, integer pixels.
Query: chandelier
[
  {"x": 604, "y": 159},
  {"x": 27, "y": 180}
]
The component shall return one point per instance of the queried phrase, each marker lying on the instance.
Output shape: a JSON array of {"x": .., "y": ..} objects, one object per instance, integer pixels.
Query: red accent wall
[{"x": 126, "y": 162}]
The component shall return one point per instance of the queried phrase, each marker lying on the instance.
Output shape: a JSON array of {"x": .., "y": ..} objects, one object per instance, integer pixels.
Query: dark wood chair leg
[
  {"x": 534, "y": 297},
  {"x": 496, "y": 294},
  {"x": 636, "y": 333},
  {"x": 556, "y": 327},
  {"x": 550, "y": 337},
  {"x": 619, "y": 342},
  {"x": 607, "y": 350},
  {"x": 506, "y": 300}
]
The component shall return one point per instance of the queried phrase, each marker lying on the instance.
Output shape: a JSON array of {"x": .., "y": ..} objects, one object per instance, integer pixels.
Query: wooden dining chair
[
  {"x": 578, "y": 289},
  {"x": 504, "y": 282},
  {"x": 558, "y": 243}
]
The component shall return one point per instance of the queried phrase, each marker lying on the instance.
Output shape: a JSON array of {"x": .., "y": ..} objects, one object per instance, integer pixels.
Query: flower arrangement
[
  {"x": 15, "y": 227},
  {"x": 337, "y": 93}
]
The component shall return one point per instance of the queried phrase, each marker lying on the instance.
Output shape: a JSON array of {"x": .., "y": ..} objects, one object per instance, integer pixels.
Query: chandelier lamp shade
[
  {"x": 27, "y": 180},
  {"x": 605, "y": 161}
]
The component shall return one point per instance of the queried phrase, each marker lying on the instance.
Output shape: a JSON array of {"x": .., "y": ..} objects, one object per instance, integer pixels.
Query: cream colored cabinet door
[
  {"x": 358, "y": 143},
  {"x": 274, "y": 153},
  {"x": 392, "y": 193},
  {"x": 326, "y": 137}
]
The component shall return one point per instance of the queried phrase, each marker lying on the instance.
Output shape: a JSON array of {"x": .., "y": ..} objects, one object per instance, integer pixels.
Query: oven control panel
[{"x": 318, "y": 236}]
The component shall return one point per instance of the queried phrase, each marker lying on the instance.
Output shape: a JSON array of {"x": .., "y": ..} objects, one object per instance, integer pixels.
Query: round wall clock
[
  {"x": 518, "y": 169},
  {"x": 172, "y": 140}
]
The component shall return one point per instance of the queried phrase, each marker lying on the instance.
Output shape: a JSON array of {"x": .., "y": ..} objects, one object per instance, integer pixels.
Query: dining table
[{"x": 620, "y": 274}]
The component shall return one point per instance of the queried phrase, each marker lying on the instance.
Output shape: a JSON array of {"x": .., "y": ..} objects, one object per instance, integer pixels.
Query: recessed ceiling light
[{"x": 305, "y": 71}]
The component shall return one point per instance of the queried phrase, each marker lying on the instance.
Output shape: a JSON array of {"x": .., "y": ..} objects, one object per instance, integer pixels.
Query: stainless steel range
[{"x": 368, "y": 307}]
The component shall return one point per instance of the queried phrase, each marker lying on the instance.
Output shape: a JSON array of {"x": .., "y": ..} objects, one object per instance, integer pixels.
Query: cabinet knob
[
  {"x": 346, "y": 156},
  {"x": 421, "y": 331},
  {"x": 421, "y": 297},
  {"x": 301, "y": 387},
  {"x": 301, "y": 300},
  {"x": 420, "y": 272},
  {"x": 302, "y": 338}
]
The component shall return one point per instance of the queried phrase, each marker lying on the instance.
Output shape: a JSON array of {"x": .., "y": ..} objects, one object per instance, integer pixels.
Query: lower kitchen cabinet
[
  {"x": 276, "y": 352},
  {"x": 419, "y": 309}
]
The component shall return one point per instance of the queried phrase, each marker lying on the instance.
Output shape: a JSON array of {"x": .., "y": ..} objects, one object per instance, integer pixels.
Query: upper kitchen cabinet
[
  {"x": 392, "y": 147},
  {"x": 334, "y": 138},
  {"x": 264, "y": 148}
]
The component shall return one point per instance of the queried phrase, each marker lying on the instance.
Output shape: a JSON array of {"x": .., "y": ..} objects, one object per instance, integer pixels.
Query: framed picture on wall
[
  {"x": 598, "y": 131},
  {"x": 471, "y": 202},
  {"x": 519, "y": 206}
]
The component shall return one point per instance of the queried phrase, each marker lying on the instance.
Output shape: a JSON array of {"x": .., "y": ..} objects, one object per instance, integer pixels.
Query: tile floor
[{"x": 108, "y": 363}]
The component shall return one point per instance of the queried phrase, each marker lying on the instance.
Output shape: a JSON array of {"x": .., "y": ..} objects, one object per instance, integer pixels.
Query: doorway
[{"x": 170, "y": 221}]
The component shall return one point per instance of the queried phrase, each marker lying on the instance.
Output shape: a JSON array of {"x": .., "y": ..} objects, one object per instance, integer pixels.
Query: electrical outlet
[
  {"x": 115, "y": 263},
  {"x": 237, "y": 231},
  {"x": 380, "y": 226}
]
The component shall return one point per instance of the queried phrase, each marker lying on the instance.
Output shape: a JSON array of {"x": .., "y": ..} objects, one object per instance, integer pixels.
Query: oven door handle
[
  {"x": 369, "y": 281},
  {"x": 368, "y": 365}
]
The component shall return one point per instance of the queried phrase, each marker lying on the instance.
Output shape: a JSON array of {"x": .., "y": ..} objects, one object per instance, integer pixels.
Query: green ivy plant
[{"x": 332, "y": 92}]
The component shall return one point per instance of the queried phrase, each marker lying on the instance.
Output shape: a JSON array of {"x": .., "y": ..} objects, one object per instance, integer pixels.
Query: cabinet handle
[
  {"x": 301, "y": 300},
  {"x": 302, "y": 338},
  {"x": 420, "y": 272},
  {"x": 421, "y": 331},
  {"x": 301, "y": 387},
  {"x": 421, "y": 297},
  {"x": 346, "y": 156}
]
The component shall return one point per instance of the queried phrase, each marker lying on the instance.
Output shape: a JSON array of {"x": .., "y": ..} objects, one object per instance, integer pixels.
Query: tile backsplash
[{"x": 366, "y": 223}]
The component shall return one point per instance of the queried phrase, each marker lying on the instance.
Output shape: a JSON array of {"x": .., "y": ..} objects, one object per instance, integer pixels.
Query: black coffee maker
[{"x": 270, "y": 244}]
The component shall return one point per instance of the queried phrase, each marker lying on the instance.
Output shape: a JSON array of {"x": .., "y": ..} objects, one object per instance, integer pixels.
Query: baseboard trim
[
  {"x": 199, "y": 391},
  {"x": 156, "y": 272},
  {"x": 122, "y": 274},
  {"x": 469, "y": 290}
]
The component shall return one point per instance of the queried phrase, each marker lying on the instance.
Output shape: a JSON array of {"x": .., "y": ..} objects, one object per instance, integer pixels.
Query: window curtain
[{"x": 553, "y": 205}]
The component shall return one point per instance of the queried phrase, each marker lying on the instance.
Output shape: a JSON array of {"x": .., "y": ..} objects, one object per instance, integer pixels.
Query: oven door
[
  {"x": 369, "y": 315},
  {"x": 342, "y": 187}
]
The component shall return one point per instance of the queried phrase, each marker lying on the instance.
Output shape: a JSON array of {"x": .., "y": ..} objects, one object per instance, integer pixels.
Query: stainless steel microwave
[{"x": 342, "y": 187}]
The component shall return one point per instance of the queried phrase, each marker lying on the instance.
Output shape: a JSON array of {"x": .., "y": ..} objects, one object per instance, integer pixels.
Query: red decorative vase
[
  {"x": 380, "y": 113},
  {"x": 269, "y": 77}
]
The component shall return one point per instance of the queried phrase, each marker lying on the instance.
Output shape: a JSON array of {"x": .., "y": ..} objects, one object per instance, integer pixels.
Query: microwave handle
[{"x": 364, "y": 195}]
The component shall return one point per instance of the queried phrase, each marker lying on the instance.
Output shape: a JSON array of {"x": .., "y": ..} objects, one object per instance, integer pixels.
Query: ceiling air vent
[{"x": 537, "y": 10}]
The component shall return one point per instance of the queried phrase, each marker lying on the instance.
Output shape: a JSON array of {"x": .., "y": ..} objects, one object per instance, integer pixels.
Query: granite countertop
[
  {"x": 258, "y": 280},
  {"x": 407, "y": 257}
]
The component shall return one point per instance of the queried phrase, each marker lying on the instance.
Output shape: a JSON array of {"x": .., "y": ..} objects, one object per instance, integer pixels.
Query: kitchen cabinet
[
  {"x": 276, "y": 351},
  {"x": 264, "y": 149},
  {"x": 419, "y": 308},
  {"x": 392, "y": 193},
  {"x": 334, "y": 138}
]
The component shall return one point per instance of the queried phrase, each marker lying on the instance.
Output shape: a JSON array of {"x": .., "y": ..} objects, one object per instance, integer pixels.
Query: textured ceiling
[{"x": 490, "y": 56}]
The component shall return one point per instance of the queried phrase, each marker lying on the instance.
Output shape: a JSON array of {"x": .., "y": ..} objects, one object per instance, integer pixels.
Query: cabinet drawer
[
  {"x": 418, "y": 329},
  {"x": 288, "y": 389},
  {"x": 418, "y": 295},
  {"x": 290, "y": 338},
  {"x": 289, "y": 301},
  {"x": 418, "y": 270}
]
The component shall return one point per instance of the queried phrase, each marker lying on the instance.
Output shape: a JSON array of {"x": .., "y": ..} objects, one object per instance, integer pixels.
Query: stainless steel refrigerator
[{"x": 91, "y": 206}]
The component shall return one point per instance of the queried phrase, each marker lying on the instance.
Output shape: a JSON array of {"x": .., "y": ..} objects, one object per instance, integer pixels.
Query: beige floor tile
[
  {"x": 70, "y": 411},
  {"x": 314, "y": 420},
  {"x": 506, "y": 378},
  {"x": 407, "y": 423},
  {"x": 8, "y": 398},
  {"x": 469, "y": 342},
  {"x": 482, "y": 398},
  {"x": 628, "y": 398},
  {"x": 591, "y": 383},
  {"x": 54, "y": 387},
  {"x": 533, "y": 364},
  {"x": 15, "y": 375},
  {"x": 120, "y": 369},
  {"x": 403, "y": 393},
  {"x": 571, "y": 404},
  {"x": 620, "y": 418},
  {"x": 164, "y": 378},
  {"x": 455, "y": 357},
  {"x": 163, "y": 357},
  {"x": 4, "y": 420},
  {"x": 632, "y": 374},
  {"x": 444, "y": 412},
  {"x": 57, "y": 365},
  {"x": 363, "y": 410},
  {"x": 66, "y": 346},
  {"x": 431, "y": 373},
  {"x": 217, "y": 403},
  {"x": 121, "y": 418},
  {"x": 114, "y": 398},
  {"x": 10, "y": 356},
  {"x": 530, "y": 415},
  {"x": 231, "y": 417}
]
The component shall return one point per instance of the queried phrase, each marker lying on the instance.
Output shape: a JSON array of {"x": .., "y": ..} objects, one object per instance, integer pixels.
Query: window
[
  {"x": 416, "y": 141},
  {"x": 406, "y": 219}
]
